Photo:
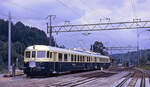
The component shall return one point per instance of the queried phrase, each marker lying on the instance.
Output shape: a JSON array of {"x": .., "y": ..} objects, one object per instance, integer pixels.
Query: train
[{"x": 46, "y": 60}]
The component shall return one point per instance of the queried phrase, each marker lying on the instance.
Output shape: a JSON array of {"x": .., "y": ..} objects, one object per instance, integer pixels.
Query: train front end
[{"x": 36, "y": 61}]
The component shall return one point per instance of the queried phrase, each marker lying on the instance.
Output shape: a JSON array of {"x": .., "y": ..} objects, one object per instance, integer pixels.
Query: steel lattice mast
[{"x": 100, "y": 26}]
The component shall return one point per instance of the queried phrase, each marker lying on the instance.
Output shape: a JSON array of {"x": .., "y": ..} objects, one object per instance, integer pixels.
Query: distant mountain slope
[{"x": 132, "y": 58}]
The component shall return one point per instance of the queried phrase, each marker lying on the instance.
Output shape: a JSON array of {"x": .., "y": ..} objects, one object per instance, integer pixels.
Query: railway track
[
  {"x": 132, "y": 79},
  {"x": 125, "y": 80},
  {"x": 143, "y": 80},
  {"x": 94, "y": 79},
  {"x": 73, "y": 83},
  {"x": 82, "y": 80}
]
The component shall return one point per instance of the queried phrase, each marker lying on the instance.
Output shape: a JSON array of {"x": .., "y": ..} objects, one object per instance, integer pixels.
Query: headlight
[{"x": 32, "y": 64}]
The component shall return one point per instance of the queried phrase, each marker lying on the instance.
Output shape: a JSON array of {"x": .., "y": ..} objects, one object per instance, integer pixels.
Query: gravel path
[{"x": 47, "y": 82}]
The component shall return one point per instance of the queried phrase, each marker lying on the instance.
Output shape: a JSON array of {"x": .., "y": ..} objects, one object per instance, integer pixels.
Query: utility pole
[
  {"x": 138, "y": 45},
  {"x": 50, "y": 28},
  {"x": 138, "y": 49},
  {"x": 9, "y": 43}
]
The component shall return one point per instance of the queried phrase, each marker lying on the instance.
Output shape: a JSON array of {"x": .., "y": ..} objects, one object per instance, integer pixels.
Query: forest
[{"x": 22, "y": 36}]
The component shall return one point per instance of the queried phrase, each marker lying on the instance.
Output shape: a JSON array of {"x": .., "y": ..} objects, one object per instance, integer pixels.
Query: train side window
[
  {"x": 78, "y": 58},
  {"x": 48, "y": 54},
  {"x": 91, "y": 59},
  {"x": 33, "y": 54},
  {"x": 27, "y": 54},
  {"x": 74, "y": 57},
  {"x": 65, "y": 57},
  {"x": 71, "y": 57},
  {"x": 83, "y": 59},
  {"x": 51, "y": 54},
  {"x": 60, "y": 56},
  {"x": 87, "y": 59},
  {"x": 95, "y": 59},
  {"x": 105, "y": 60}
]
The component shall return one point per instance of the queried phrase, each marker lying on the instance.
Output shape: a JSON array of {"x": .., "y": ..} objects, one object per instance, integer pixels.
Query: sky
[{"x": 34, "y": 13}]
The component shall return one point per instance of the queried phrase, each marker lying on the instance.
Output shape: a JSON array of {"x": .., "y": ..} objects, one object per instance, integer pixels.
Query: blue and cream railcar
[{"x": 44, "y": 60}]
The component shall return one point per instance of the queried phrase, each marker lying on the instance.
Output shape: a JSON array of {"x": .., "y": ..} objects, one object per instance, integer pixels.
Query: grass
[
  {"x": 3, "y": 69},
  {"x": 146, "y": 67}
]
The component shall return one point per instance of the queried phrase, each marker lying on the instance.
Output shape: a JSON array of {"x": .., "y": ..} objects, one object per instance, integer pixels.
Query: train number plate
[{"x": 32, "y": 64}]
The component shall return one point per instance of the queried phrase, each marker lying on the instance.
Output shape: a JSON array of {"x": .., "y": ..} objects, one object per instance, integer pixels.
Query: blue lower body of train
[{"x": 46, "y": 68}]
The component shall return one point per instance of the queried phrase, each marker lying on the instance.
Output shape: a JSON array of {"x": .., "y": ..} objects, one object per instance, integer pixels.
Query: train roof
[{"x": 44, "y": 47}]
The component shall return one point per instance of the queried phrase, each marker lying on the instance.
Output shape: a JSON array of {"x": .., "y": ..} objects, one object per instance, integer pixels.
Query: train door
[
  {"x": 55, "y": 56},
  {"x": 54, "y": 60}
]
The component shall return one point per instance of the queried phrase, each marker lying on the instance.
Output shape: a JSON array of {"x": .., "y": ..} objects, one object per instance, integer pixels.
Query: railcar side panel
[{"x": 44, "y": 60}]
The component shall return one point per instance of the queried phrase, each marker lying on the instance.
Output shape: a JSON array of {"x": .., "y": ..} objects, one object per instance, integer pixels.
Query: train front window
[
  {"x": 41, "y": 54},
  {"x": 33, "y": 54},
  {"x": 27, "y": 54}
]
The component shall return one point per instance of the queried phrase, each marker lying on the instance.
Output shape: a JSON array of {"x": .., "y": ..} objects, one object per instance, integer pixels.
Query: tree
[
  {"x": 142, "y": 60},
  {"x": 98, "y": 47},
  {"x": 148, "y": 57}
]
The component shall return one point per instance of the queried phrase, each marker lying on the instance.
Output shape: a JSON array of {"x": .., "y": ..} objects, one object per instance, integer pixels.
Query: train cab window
[
  {"x": 33, "y": 54},
  {"x": 41, "y": 54},
  {"x": 65, "y": 57},
  {"x": 27, "y": 54},
  {"x": 60, "y": 56}
]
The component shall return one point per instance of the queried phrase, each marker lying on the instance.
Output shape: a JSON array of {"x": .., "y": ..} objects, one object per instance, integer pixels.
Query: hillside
[
  {"x": 22, "y": 36},
  {"x": 131, "y": 57}
]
